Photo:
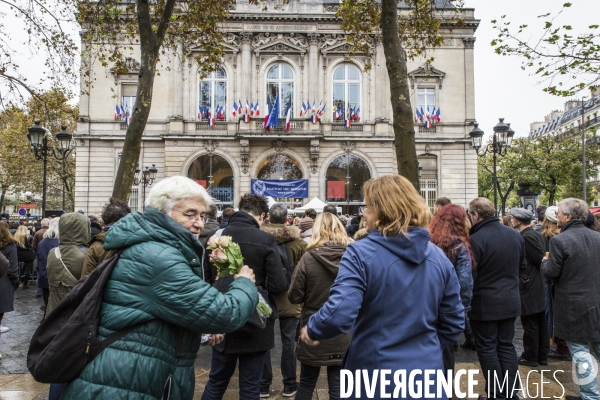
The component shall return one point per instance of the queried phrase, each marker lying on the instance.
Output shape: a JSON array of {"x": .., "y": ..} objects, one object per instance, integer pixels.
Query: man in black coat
[
  {"x": 500, "y": 255},
  {"x": 536, "y": 338},
  {"x": 573, "y": 264},
  {"x": 249, "y": 346}
]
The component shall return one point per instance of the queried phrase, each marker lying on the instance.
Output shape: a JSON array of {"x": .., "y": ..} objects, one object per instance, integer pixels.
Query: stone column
[
  {"x": 469, "y": 43},
  {"x": 313, "y": 67},
  {"x": 246, "y": 66}
]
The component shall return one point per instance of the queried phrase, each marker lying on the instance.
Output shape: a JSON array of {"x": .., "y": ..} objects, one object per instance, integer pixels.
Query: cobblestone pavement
[{"x": 17, "y": 384}]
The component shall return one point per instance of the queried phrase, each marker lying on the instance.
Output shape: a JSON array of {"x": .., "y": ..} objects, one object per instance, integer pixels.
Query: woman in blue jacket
[{"x": 396, "y": 291}]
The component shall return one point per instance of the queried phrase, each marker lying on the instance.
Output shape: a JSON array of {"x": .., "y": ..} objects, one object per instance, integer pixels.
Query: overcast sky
[{"x": 502, "y": 88}]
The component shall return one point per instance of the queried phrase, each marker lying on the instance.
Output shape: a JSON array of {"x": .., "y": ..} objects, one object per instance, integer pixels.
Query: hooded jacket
[
  {"x": 74, "y": 233},
  {"x": 157, "y": 280},
  {"x": 310, "y": 286},
  {"x": 43, "y": 250},
  {"x": 96, "y": 253},
  {"x": 400, "y": 297},
  {"x": 290, "y": 236}
]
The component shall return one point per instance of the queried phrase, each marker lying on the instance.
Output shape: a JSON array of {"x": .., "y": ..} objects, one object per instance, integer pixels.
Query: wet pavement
[{"x": 17, "y": 384}]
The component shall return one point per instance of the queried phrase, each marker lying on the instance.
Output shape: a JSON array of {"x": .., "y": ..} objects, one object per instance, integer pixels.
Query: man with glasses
[
  {"x": 573, "y": 264},
  {"x": 500, "y": 255}
]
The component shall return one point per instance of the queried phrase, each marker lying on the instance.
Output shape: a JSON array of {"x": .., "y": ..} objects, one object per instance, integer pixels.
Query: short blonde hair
[
  {"x": 328, "y": 228},
  {"x": 396, "y": 205},
  {"x": 170, "y": 191}
]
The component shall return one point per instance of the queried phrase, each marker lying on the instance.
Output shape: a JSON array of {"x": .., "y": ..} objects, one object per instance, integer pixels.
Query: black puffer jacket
[
  {"x": 261, "y": 254},
  {"x": 500, "y": 255},
  {"x": 311, "y": 282}
]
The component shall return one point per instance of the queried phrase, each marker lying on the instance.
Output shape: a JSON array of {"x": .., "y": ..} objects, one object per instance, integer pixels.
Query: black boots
[{"x": 469, "y": 343}]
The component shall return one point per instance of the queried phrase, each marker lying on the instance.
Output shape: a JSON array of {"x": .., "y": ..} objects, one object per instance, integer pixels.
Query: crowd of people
[{"x": 392, "y": 288}]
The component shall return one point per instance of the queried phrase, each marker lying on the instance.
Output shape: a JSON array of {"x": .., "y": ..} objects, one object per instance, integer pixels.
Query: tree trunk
[
  {"x": 150, "y": 43},
  {"x": 504, "y": 197},
  {"x": 395, "y": 60},
  {"x": 2, "y": 199}
]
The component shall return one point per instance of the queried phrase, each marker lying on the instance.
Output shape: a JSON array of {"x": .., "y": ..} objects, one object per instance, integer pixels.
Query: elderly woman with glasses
[
  {"x": 157, "y": 285},
  {"x": 395, "y": 291}
]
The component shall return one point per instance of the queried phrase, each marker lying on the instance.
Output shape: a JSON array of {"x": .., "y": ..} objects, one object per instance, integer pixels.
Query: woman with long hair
[
  {"x": 49, "y": 242},
  {"x": 10, "y": 281},
  {"x": 395, "y": 290},
  {"x": 312, "y": 279},
  {"x": 449, "y": 231},
  {"x": 549, "y": 230},
  {"x": 25, "y": 253}
]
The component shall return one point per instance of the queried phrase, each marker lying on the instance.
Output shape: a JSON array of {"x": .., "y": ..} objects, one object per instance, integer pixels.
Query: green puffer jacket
[{"x": 158, "y": 278}]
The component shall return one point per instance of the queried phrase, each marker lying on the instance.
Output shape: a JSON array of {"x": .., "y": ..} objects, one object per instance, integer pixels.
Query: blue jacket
[
  {"x": 400, "y": 297},
  {"x": 463, "y": 265},
  {"x": 43, "y": 249}
]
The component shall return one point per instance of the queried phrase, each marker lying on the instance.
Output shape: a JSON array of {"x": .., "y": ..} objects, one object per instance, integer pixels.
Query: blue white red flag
[
  {"x": 274, "y": 114},
  {"x": 247, "y": 109},
  {"x": 357, "y": 114},
  {"x": 303, "y": 109},
  {"x": 338, "y": 113},
  {"x": 251, "y": 109},
  {"x": 322, "y": 110},
  {"x": 417, "y": 115},
  {"x": 127, "y": 117},
  {"x": 117, "y": 112},
  {"x": 267, "y": 114},
  {"x": 235, "y": 108},
  {"x": 348, "y": 118},
  {"x": 313, "y": 109},
  {"x": 211, "y": 121},
  {"x": 288, "y": 116},
  {"x": 256, "y": 109},
  {"x": 437, "y": 115}
]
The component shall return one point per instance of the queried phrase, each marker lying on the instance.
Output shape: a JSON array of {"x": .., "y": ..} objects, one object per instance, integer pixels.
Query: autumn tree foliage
[{"x": 563, "y": 61}]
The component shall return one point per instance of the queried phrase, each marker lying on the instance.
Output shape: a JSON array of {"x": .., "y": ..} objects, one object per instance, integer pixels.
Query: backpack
[
  {"x": 65, "y": 341},
  {"x": 286, "y": 261}
]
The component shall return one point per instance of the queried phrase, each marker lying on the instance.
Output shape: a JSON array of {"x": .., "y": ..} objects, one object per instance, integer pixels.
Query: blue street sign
[{"x": 22, "y": 211}]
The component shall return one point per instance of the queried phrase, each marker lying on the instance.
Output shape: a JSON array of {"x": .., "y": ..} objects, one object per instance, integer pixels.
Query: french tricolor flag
[
  {"x": 117, "y": 113},
  {"x": 211, "y": 121},
  {"x": 256, "y": 109},
  {"x": 303, "y": 109},
  {"x": 235, "y": 109},
  {"x": 267, "y": 114},
  {"x": 288, "y": 116},
  {"x": 251, "y": 109}
]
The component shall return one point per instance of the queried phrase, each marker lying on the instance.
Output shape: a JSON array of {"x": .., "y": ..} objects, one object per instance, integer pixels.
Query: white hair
[
  {"x": 52, "y": 231},
  {"x": 170, "y": 191},
  {"x": 45, "y": 222},
  {"x": 578, "y": 209}
]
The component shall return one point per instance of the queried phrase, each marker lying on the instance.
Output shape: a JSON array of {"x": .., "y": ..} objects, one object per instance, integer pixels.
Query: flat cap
[{"x": 521, "y": 214}]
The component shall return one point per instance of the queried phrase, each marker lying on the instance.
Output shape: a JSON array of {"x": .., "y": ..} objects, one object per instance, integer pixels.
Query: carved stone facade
[{"x": 305, "y": 36}]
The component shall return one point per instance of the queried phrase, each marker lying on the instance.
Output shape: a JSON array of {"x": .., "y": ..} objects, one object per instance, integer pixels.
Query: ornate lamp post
[
  {"x": 146, "y": 179},
  {"x": 501, "y": 141},
  {"x": 38, "y": 142}
]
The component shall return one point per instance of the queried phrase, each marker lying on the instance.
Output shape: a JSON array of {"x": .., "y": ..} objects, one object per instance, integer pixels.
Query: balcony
[
  {"x": 218, "y": 126},
  {"x": 295, "y": 126}
]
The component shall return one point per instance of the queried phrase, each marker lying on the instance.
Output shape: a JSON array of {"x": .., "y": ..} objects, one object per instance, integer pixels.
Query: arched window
[
  {"x": 279, "y": 166},
  {"x": 213, "y": 96},
  {"x": 215, "y": 174},
  {"x": 346, "y": 91},
  {"x": 280, "y": 80},
  {"x": 345, "y": 177}
]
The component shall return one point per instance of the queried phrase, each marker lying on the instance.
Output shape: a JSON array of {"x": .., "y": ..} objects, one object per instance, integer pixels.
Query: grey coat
[
  {"x": 9, "y": 281},
  {"x": 573, "y": 263}
]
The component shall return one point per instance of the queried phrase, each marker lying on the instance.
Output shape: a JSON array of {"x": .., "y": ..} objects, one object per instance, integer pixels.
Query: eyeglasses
[{"x": 192, "y": 217}]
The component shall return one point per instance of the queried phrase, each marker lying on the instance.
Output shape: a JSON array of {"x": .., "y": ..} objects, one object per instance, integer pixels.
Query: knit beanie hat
[
  {"x": 306, "y": 223},
  {"x": 551, "y": 213}
]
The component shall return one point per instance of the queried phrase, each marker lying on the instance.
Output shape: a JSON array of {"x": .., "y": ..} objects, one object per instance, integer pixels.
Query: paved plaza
[{"x": 17, "y": 384}]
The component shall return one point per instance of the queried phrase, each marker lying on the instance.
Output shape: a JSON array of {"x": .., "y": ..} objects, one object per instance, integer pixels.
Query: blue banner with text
[{"x": 280, "y": 188}]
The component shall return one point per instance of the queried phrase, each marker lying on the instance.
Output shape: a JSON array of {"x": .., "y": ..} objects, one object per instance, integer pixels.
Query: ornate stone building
[{"x": 298, "y": 51}]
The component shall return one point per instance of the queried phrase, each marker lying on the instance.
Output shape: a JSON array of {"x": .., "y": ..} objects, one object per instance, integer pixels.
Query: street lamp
[
  {"x": 146, "y": 179},
  {"x": 501, "y": 141},
  {"x": 38, "y": 142}
]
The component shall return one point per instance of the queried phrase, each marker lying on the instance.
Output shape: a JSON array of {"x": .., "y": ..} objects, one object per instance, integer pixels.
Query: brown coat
[
  {"x": 313, "y": 277},
  {"x": 96, "y": 253},
  {"x": 290, "y": 236},
  {"x": 37, "y": 238}
]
